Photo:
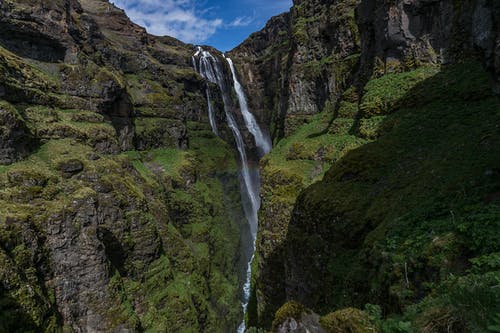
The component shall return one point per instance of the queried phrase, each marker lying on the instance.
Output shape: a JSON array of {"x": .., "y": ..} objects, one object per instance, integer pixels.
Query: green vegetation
[
  {"x": 300, "y": 160},
  {"x": 82, "y": 125},
  {"x": 412, "y": 217},
  {"x": 295, "y": 163},
  {"x": 389, "y": 93},
  {"x": 348, "y": 320},
  {"x": 184, "y": 274},
  {"x": 144, "y": 240},
  {"x": 157, "y": 132},
  {"x": 290, "y": 309},
  {"x": 201, "y": 243},
  {"x": 148, "y": 92}
]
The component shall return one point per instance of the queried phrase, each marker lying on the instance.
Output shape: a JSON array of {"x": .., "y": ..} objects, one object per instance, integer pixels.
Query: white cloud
[
  {"x": 242, "y": 21},
  {"x": 181, "y": 19}
]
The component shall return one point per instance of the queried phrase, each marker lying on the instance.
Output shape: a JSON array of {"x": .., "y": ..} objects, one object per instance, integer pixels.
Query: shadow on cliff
[
  {"x": 13, "y": 318},
  {"x": 429, "y": 159},
  {"x": 114, "y": 249},
  {"x": 363, "y": 70}
]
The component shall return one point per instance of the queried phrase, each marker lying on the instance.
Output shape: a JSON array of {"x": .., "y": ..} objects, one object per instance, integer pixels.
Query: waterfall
[
  {"x": 208, "y": 69},
  {"x": 262, "y": 142},
  {"x": 211, "y": 69}
]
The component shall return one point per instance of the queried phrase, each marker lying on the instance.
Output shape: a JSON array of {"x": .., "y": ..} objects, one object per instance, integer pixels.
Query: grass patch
[
  {"x": 388, "y": 93},
  {"x": 85, "y": 126}
]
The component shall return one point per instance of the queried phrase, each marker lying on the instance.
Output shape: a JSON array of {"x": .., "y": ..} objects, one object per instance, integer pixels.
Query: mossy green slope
[
  {"x": 171, "y": 249},
  {"x": 399, "y": 221}
]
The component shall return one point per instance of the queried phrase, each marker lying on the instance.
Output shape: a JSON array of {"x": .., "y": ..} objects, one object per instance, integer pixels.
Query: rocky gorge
[{"x": 121, "y": 206}]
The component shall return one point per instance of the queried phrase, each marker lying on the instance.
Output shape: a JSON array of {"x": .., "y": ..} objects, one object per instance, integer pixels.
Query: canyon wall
[
  {"x": 356, "y": 94},
  {"x": 119, "y": 209}
]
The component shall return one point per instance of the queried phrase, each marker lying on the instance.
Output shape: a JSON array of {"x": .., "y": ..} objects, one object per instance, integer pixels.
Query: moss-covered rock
[
  {"x": 153, "y": 133},
  {"x": 304, "y": 59},
  {"x": 295, "y": 163},
  {"x": 70, "y": 167},
  {"x": 294, "y": 317},
  {"x": 348, "y": 320},
  {"x": 158, "y": 247},
  {"x": 16, "y": 141},
  {"x": 289, "y": 310}
]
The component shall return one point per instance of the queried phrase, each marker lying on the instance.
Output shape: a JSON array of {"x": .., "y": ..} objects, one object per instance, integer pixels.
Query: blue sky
[{"x": 219, "y": 23}]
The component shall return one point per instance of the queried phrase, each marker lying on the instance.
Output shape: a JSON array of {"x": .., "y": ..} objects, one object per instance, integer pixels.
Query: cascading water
[
  {"x": 262, "y": 142},
  {"x": 208, "y": 70},
  {"x": 211, "y": 69}
]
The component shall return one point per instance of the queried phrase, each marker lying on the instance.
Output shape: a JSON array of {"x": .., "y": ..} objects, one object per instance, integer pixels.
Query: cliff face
[
  {"x": 354, "y": 101},
  {"x": 411, "y": 33},
  {"x": 289, "y": 64},
  {"x": 299, "y": 63},
  {"x": 310, "y": 53},
  {"x": 90, "y": 56},
  {"x": 119, "y": 209}
]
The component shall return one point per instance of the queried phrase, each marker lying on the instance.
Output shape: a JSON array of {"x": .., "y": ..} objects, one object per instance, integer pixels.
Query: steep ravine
[{"x": 132, "y": 170}]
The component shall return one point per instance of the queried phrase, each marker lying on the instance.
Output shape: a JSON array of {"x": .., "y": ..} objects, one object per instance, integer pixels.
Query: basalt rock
[
  {"x": 38, "y": 30},
  {"x": 16, "y": 141},
  {"x": 408, "y": 33},
  {"x": 71, "y": 167},
  {"x": 310, "y": 52}
]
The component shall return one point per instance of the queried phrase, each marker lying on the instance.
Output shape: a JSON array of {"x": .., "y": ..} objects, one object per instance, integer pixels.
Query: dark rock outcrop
[
  {"x": 37, "y": 29},
  {"x": 16, "y": 141},
  {"x": 70, "y": 167},
  {"x": 300, "y": 62},
  {"x": 86, "y": 240},
  {"x": 409, "y": 33},
  {"x": 293, "y": 317}
]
